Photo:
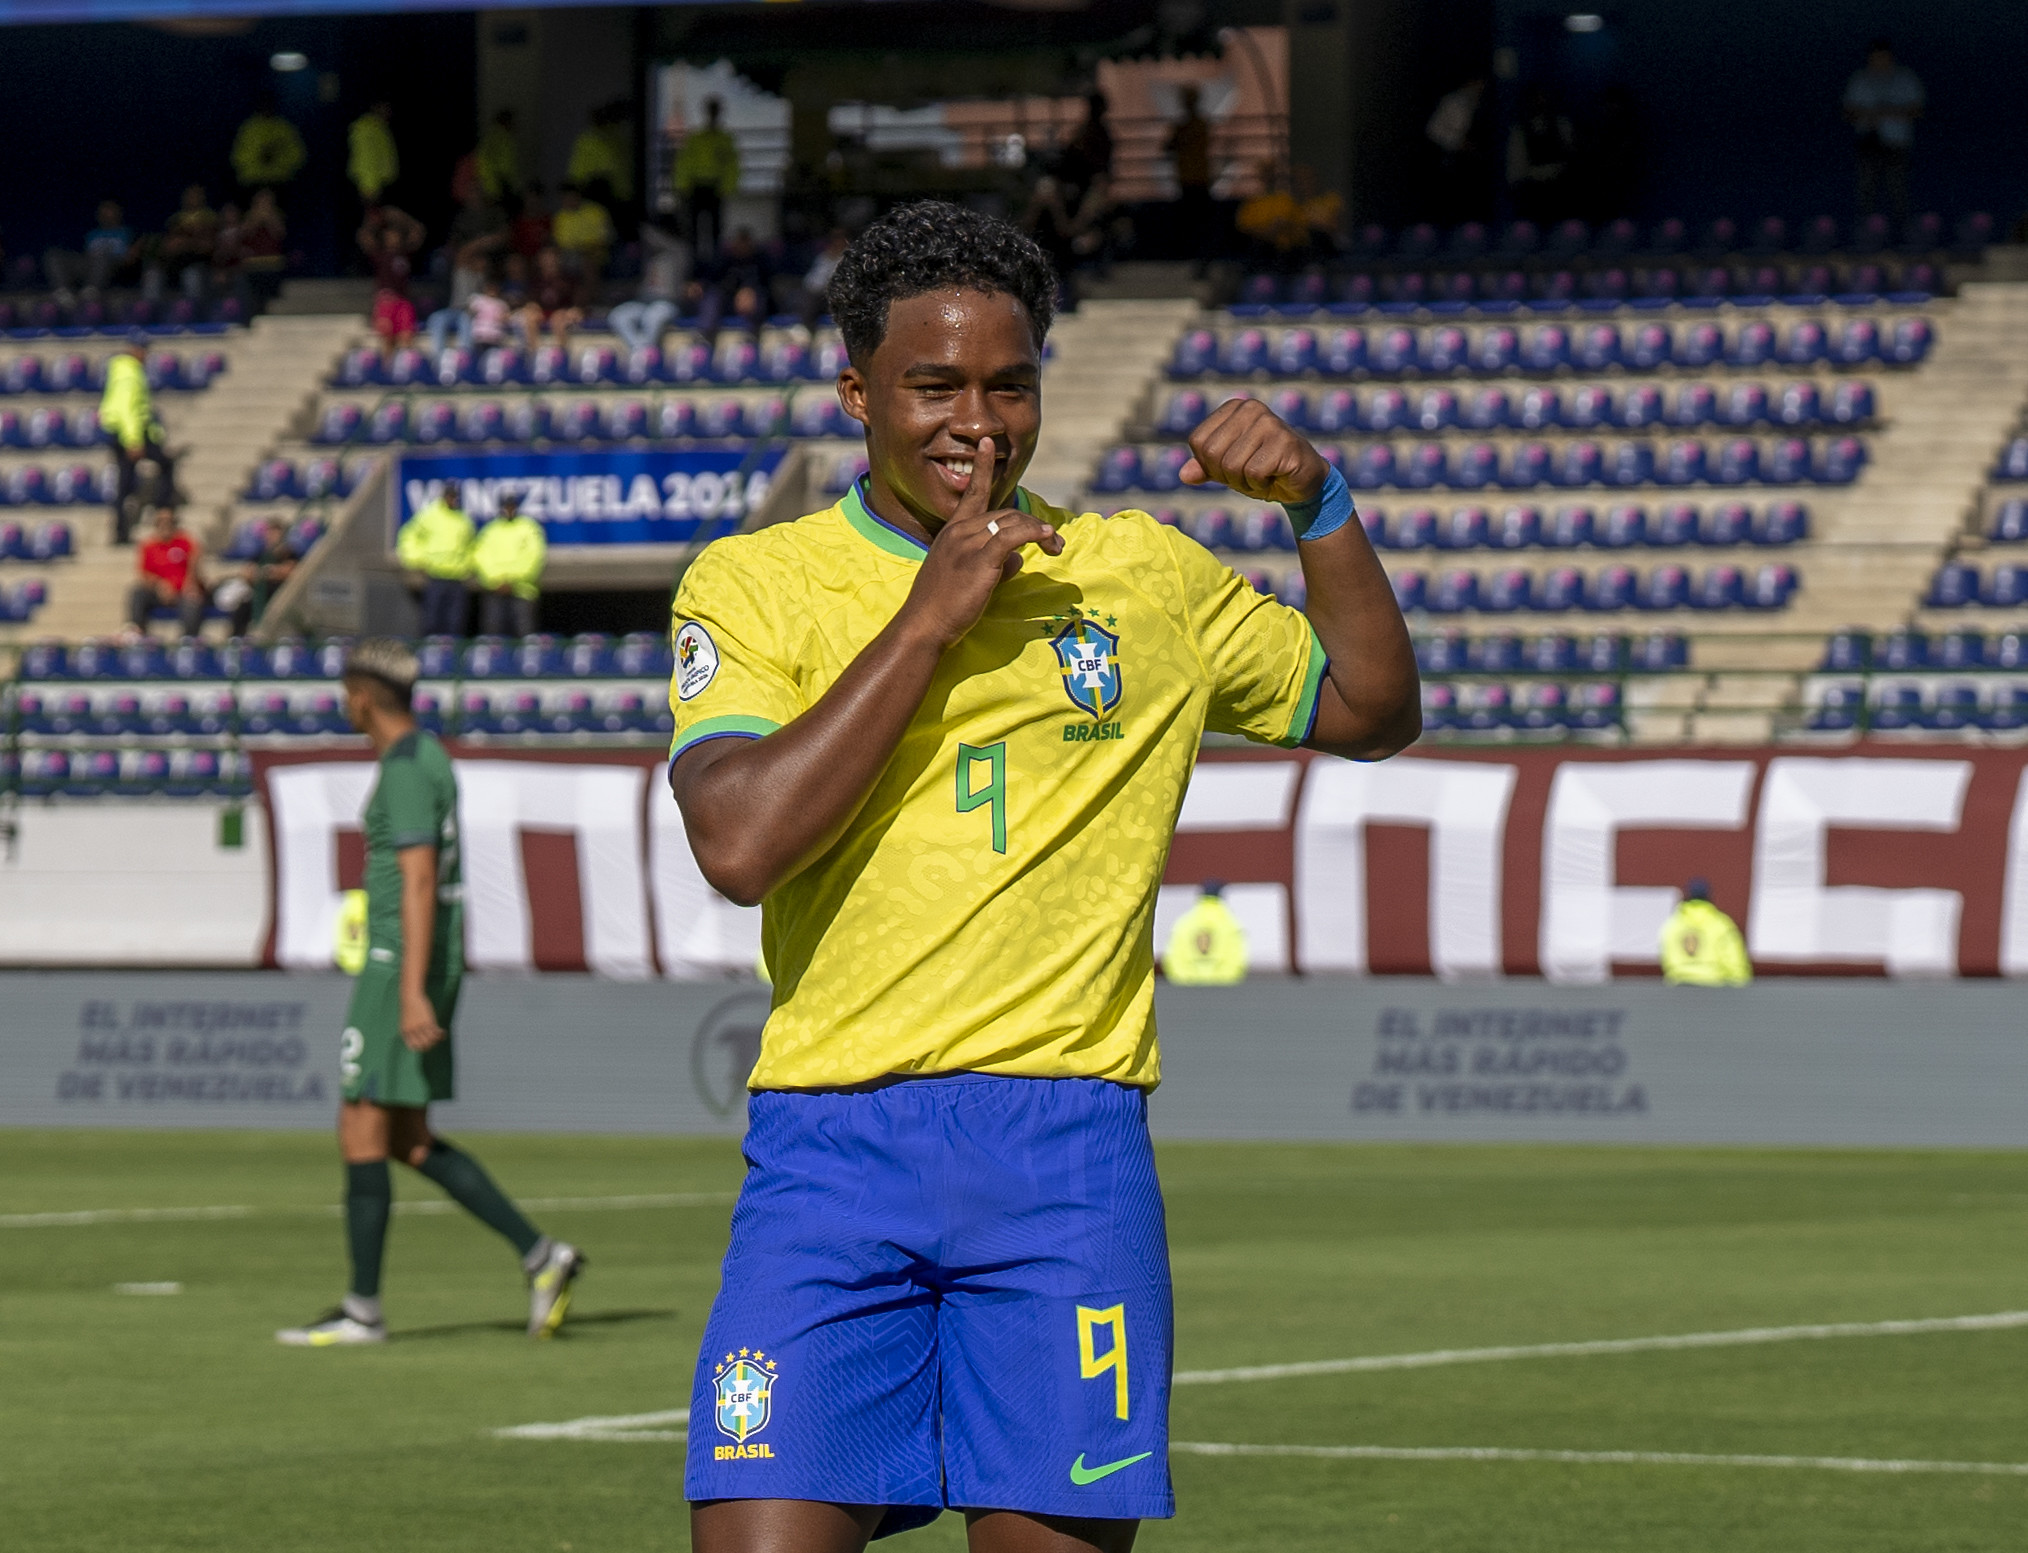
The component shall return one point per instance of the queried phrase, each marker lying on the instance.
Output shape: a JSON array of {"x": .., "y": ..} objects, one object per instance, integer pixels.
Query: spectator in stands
[
  {"x": 601, "y": 158},
  {"x": 189, "y": 239},
  {"x": 1539, "y": 149},
  {"x": 1458, "y": 130},
  {"x": 498, "y": 160},
  {"x": 108, "y": 253},
  {"x": 1207, "y": 946},
  {"x": 1882, "y": 102},
  {"x": 1272, "y": 222},
  {"x": 166, "y": 576},
  {"x": 508, "y": 560},
  {"x": 393, "y": 320},
  {"x": 528, "y": 226},
  {"x": 477, "y": 238},
  {"x": 1090, "y": 155},
  {"x": 372, "y": 162},
  {"x": 262, "y": 235},
  {"x": 268, "y": 151},
  {"x": 706, "y": 175},
  {"x": 435, "y": 548},
  {"x": 482, "y": 323},
  {"x": 642, "y": 321},
  {"x": 127, "y": 416},
  {"x": 1189, "y": 149},
  {"x": 259, "y": 580},
  {"x": 1701, "y": 946},
  {"x": 583, "y": 233},
  {"x": 555, "y": 302},
  {"x": 740, "y": 283},
  {"x": 397, "y": 235}
]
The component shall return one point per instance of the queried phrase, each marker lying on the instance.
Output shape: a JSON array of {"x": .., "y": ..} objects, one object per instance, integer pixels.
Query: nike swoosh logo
[{"x": 1080, "y": 1474}]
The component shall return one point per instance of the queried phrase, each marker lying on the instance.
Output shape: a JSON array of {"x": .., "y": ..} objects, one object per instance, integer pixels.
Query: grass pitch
[{"x": 149, "y": 1421}]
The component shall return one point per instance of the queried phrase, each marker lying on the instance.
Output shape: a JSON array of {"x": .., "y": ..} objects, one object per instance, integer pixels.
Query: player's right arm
[{"x": 759, "y": 810}]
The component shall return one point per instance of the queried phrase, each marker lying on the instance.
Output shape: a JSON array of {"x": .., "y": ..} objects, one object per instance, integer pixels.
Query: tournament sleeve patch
[{"x": 696, "y": 660}]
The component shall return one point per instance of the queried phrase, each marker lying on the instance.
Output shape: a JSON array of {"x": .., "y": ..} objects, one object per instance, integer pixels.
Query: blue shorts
[{"x": 944, "y": 1293}]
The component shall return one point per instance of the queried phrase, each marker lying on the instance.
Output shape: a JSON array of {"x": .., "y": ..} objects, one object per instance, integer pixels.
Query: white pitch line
[
  {"x": 424, "y": 1205},
  {"x": 1599, "y": 1458},
  {"x": 1744, "y": 1337},
  {"x": 119, "y": 1216},
  {"x": 630, "y": 1426}
]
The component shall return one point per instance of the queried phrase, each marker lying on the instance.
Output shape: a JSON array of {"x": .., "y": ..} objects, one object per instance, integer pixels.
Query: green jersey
[{"x": 414, "y": 804}]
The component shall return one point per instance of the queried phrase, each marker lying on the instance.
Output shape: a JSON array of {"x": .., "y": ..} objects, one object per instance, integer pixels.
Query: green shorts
[{"x": 373, "y": 1062}]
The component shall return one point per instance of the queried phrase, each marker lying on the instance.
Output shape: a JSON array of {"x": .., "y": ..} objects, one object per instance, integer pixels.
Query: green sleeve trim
[
  {"x": 1303, "y": 721},
  {"x": 734, "y": 727}
]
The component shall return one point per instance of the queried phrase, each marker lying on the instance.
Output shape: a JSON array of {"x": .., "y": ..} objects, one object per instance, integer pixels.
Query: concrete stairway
[{"x": 1104, "y": 357}]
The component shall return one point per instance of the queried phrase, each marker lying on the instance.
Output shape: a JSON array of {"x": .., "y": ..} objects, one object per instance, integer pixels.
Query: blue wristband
[{"x": 1330, "y": 511}]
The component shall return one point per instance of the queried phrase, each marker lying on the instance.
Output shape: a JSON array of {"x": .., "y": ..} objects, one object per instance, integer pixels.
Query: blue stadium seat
[
  {"x": 2006, "y": 587},
  {"x": 1212, "y": 528},
  {"x": 1738, "y": 462},
  {"x": 1753, "y": 344},
  {"x": 1960, "y": 650},
  {"x": 1897, "y": 706},
  {"x": 453, "y": 366},
  {"x": 626, "y": 420},
  {"x": 1387, "y": 409},
  {"x": 1908, "y": 342},
  {"x": 1899, "y": 652},
  {"x": 527, "y": 420},
  {"x": 1474, "y": 467},
  {"x": 1847, "y": 652},
  {"x": 1624, "y": 528},
  {"x": 2009, "y": 710},
  {"x": 1682, "y": 463},
  {"x": 2013, "y": 462},
  {"x": 1446, "y": 350},
  {"x": 1373, "y": 468},
  {"x": 537, "y": 657},
  {"x": 1119, "y": 470},
  {"x": 784, "y": 359},
  {"x": 1664, "y": 588},
  {"x": 1782, "y": 523},
  {"x": 1719, "y": 588},
  {"x": 1632, "y": 464},
  {"x": 1443, "y": 653},
  {"x": 1613, "y": 588},
  {"x": 1244, "y": 353},
  {"x": 1745, "y": 405},
  {"x": 1292, "y": 405},
  {"x": 1695, "y": 405},
  {"x": 1528, "y": 467},
  {"x": 489, "y": 657},
  {"x": 1436, "y": 409},
  {"x": 1569, "y": 528},
  {"x": 1439, "y": 707},
  {"x": 1726, "y": 525},
  {"x": 1416, "y": 529},
  {"x": 1838, "y": 709},
  {"x": 1496, "y": 350},
  {"x": 687, "y": 362},
  {"x": 1546, "y": 348},
  {"x": 1582, "y": 464},
  {"x": 577, "y": 421},
  {"x": 725, "y": 417},
  {"x": 1295, "y": 353},
  {"x": 439, "y": 656},
  {"x": 1506, "y": 591},
  {"x": 1851, "y": 404},
  {"x": 1515, "y": 528},
  {"x": 1542, "y": 708},
  {"x": 1487, "y": 409},
  {"x": 1372, "y": 519},
  {"x": 1538, "y": 409},
  {"x": 1426, "y": 467},
  {"x": 1162, "y": 471},
  {"x": 1596, "y": 348},
  {"x": 1858, "y": 342},
  {"x": 1770, "y": 587},
  {"x": 1955, "y": 586},
  {"x": 1464, "y": 529},
  {"x": 1411, "y": 589},
  {"x": 1549, "y": 655},
  {"x": 1486, "y": 708},
  {"x": 1806, "y": 344},
  {"x": 502, "y": 366},
  {"x": 1589, "y": 407},
  {"x": 1343, "y": 352},
  {"x": 1838, "y": 461},
  {"x": 1391, "y": 352},
  {"x": 1560, "y": 590},
  {"x": 482, "y": 422},
  {"x": 1700, "y": 345},
  {"x": 644, "y": 655},
  {"x": 2009, "y": 523},
  {"x": 1333, "y": 410},
  {"x": 388, "y": 423}
]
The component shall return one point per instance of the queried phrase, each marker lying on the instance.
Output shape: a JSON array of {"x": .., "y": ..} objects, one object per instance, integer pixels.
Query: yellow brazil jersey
[{"x": 991, "y": 908}]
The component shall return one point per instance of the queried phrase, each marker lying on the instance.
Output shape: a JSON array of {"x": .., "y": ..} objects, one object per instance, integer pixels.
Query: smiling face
[{"x": 954, "y": 366}]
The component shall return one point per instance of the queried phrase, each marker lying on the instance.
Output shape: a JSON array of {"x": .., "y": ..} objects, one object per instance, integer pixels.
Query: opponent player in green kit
[{"x": 395, "y": 1055}]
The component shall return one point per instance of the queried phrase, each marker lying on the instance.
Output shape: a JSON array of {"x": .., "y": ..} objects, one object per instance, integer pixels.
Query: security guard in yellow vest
[
  {"x": 705, "y": 176},
  {"x": 436, "y": 544},
  {"x": 1207, "y": 947},
  {"x": 1701, "y": 945},
  {"x": 127, "y": 414},
  {"x": 508, "y": 560},
  {"x": 268, "y": 150}
]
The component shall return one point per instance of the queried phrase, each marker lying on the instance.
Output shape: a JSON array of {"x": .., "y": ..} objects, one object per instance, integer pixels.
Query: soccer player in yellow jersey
[{"x": 941, "y": 731}]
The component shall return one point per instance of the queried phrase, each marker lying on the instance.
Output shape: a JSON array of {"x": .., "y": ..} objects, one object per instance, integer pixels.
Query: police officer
[
  {"x": 1701, "y": 945},
  {"x": 508, "y": 562},
  {"x": 1207, "y": 947},
  {"x": 127, "y": 414},
  {"x": 436, "y": 546}
]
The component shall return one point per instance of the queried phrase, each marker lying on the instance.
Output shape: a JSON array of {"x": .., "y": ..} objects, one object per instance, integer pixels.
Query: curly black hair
[{"x": 932, "y": 245}]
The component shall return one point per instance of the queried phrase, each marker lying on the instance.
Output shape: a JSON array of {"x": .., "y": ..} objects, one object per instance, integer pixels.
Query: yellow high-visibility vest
[
  {"x": 1207, "y": 946},
  {"x": 437, "y": 542},
  {"x": 127, "y": 408},
  {"x": 1702, "y": 947},
  {"x": 374, "y": 163},
  {"x": 509, "y": 554},
  {"x": 267, "y": 149}
]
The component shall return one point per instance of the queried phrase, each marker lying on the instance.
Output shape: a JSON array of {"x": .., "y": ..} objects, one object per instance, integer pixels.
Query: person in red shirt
[{"x": 167, "y": 574}]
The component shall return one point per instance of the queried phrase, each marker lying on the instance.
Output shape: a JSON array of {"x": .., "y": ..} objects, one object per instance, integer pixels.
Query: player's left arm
[
  {"x": 419, "y": 1028},
  {"x": 1370, "y": 704}
]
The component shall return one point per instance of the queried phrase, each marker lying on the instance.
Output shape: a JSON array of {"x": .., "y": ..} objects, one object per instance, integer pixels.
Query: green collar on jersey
[{"x": 883, "y": 535}]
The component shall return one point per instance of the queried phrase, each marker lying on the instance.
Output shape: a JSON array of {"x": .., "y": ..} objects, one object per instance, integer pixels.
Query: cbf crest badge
[
  {"x": 745, "y": 1382},
  {"x": 1088, "y": 657}
]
